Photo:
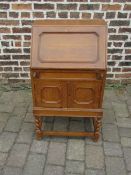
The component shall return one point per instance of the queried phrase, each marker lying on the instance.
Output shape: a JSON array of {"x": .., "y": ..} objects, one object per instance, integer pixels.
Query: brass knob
[
  {"x": 99, "y": 76},
  {"x": 35, "y": 74}
]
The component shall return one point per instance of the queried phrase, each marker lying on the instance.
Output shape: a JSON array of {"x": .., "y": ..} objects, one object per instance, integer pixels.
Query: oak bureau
[{"x": 68, "y": 71}]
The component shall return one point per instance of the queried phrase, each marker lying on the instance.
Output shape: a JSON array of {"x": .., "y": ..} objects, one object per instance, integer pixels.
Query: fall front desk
[{"x": 68, "y": 70}]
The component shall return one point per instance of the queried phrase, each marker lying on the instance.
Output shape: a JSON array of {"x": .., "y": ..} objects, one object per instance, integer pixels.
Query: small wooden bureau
[{"x": 68, "y": 70}]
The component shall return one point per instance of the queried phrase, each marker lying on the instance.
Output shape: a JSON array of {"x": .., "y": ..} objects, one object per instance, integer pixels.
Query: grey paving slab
[
  {"x": 108, "y": 116},
  {"x": 110, "y": 95},
  {"x": 3, "y": 157},
  {"x": 126, "y": 142},
  {"x": 76, "y": 149},
  {"x": 28, "y": 127},
  {"x": 12, "y": 171},
  {"x": 110, "y": 133},
  {"x": 7, "y": 97},
  {"x": 2, "y": 126},
  {"x": 35, "y": 164},
  {"x": 94, "y": 157},
  {"x": 95, "y": 172},
  {"x": 53, "y": 170},
  {"x": 74, "y": 167},
  {"x": 18, "y": 155},
  {"x": 4, "y": 117},
  {"x": 112, "y": 149},
  {"x": 25, "y": 137},
  {"x": 115, "y": 166},
  {"x": 39, "y": 146},
  {"x": 120, "y": 109},
  {"x": 6, "y": 141},
  {"x": 128, "y": 88},
  {"x": 127, "y": 155},
  {"x": 6, "y": 107},
  {"x": 56, "y": 153},
  {"x": 124, "y": 132},
  {"x": 19, "y": 111},
  {"x": 13, "y": 124},
  {"x": 29, "y": 117},
  {"x": 124, "y": 122}
]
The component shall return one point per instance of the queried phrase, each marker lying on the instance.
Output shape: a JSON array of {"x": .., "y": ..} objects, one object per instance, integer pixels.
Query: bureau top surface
[{"x": 69, "y": 44}]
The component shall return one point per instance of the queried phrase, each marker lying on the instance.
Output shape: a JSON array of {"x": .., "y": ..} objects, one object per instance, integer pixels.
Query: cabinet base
[{"x": 94, "y": 134}]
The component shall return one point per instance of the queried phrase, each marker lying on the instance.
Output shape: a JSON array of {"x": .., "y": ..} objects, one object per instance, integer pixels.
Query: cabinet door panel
[
  {"x": 50, "y": 94},
  {"x": 84, "y": 94}
]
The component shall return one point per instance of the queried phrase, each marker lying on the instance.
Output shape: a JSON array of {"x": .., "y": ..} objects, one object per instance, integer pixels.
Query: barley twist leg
[
  {"x": 38, "y": 125},
  {"x": 97, "y": 127}
]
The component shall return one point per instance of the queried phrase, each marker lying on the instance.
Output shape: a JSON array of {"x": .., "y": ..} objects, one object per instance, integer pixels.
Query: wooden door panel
[
  {"x": 50, "y": 94},
  {"x": 84, "y": 94}
]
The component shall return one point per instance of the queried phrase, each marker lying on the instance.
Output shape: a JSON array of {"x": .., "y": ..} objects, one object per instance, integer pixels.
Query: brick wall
[{"x": 16, "y": 17}]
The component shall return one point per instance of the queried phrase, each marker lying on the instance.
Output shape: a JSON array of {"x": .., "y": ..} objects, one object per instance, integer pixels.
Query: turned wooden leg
[
  {"x": 38, "y": 125},
  {"x": 97, "y": 127}
]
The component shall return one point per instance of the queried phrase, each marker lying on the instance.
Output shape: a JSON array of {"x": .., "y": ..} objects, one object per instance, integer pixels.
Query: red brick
[
  {"x": 25, "y": 15},
  {"x": 54, "y": 0},
  {"x": 63, "y": 15},
  {"x": 74, "y": 14},
  {"x": 38, "y": 15},
  {"x": 8, "y": 69},
  {"x": 89, "y": 7},
  {"x": 11, "y": 50},
  {"x": 127, "y": 7},
  {"x": 116, "y": 69},
  {"x": 4, "y": 30},
  {"x": 117, "y": 44},
  {"x": 25, "y": 63},
  {"x": 26, "y": 44},
  {"x": 21, "y": 6},
  {"x": 66, "y": 6},
  {"x": 124, "y": 30},
  {"x": 118, "y": 37},
  {"x": 106, "y": 7},
  {"x": 98, "y": 15},
  {"x": 5, "y": 43},
  {"x": 10, "y": 75},
  {"x": 5, "y": 57},
  {"x": 128, "y": 75},
  {"x": 26, "y": 22},
  {"x": 13, "y": 14},
  {"x": 27, "y": 37},
  {"x": 44, "y": 6},
  {"x": 4, "y": 6},
  {"x": 9, "y": 22},
  {"x": 127, "y": 51},
  {"x": 86, "y": 15},
  {"x": 21, "y": 57},
  {"x": 22, "y": 30},
  {"x": 8, "y": 63},
  {"x": 17, "y": 44},
  {"x": 100, "y": 0},
  {"x": 77, "y": 0},
  {"x": 3, "y": 14},
  {"x": 13, "y": 37},
  {"x": 126, "y": 69},
  {"x": 51, "y": 14}
]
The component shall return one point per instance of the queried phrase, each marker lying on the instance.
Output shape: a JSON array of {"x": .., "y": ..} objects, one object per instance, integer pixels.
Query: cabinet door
[
  {"x": 84, "y": 94},
  {"x": 50, "y": 93}
]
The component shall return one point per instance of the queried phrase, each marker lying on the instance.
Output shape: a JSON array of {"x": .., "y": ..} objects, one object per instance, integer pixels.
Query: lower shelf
[{"x": 94, "y": 134}]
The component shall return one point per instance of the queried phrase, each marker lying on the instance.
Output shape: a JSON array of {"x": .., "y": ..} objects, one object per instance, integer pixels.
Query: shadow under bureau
[{"x": 68, "y": 71}]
